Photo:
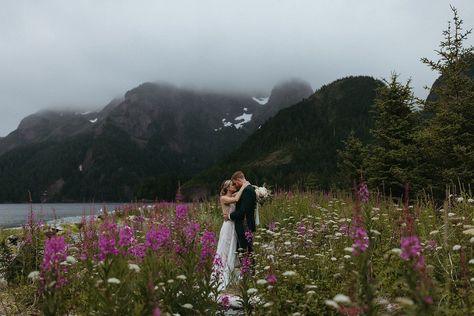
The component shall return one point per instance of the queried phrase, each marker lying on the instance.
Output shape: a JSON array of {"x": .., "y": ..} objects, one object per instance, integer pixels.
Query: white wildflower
[
  {"x": 289, "y": 273},
  {"x": 113, "y": 281},
  {"x": 287, "y": 243},
  {"x": 460, "y": 199},
  {"x": 34, "y": 275},
  {"x": 71, "y": 260},
  {"x": 471, "y": 240},
  {"x": 3, "y": 283},
  {"x": 471, "y": 261},
  {"x": 451, "y": 214},
  {"x": 404, "y": 301},
  {"x": 434, "y": 232},
  {"x": 375, "y": 232},
  {"x": 311, "y": 292},
  {"x": 347, "y": 257},
  {"x": 252, "y": 291},
  {"x": 333, "y": 259},
  {"x": 341, "y": 298},
  {"x": 331, "y": 303},
  {"x": 396, "y": 251},
  {"x": 268, "y": 304},
  {"x": 181, "y": 277},
  {"x": 469, "y": 231},
  {"x": 470, "y": 200},
  {"x": 187, "y": 306},
  {"x": 349, "y": 249},
  {"x": 134, "y": 267},
  {"x": 261, "y": 282},
  {"x": 170, "y": 281},
  {"x": 456, "y": 247}
]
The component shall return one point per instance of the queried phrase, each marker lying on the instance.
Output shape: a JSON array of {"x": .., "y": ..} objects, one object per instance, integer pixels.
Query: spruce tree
[
  {"x": 351, "y": 160},
  {"x": 392, "y": 155},
  {"x": 447, "y": 139}
]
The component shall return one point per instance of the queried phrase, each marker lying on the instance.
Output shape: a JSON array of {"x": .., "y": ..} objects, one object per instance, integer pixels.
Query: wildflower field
[{"x": 315, "y": 254}]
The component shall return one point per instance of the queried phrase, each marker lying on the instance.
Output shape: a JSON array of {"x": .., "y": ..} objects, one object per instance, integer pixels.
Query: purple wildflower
[
  {"x": 225, "y": 302},
  {"x": 107, "y": 241},
  {"x": 249, "y": 236},
  {"x": 55, "y": 252},
  {"x": 181, "y": 211},
  {"x": 191, "y": 230},
  {"x": 344, "y": 229},
  {"x": 137, "y": 251},
  {"x": 157, "y": 311},
  {"x": 245, "y": 265},
  {"x": 208, "y": 243},
  {"x": 428, "y": 300},
  {"x": 431, "y": 245},
  {"x": 363, "y": 192},
  {"x": 126, "y": 236},
  {"x": 410, "y": 247},
  {"x": 272, "y": 226},
  {"x": 361, "y": 240},
  {"x": 301, "y": 229},
  {"x": 271, "y": 279},
  {"x": 157, "y": 238}
]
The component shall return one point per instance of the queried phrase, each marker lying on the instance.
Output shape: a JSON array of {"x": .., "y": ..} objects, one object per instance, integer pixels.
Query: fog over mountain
[{"x": 82, "y": 54}]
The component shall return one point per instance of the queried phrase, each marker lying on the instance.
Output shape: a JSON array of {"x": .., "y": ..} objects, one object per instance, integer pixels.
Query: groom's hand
[{"x": 226, "y": 217}]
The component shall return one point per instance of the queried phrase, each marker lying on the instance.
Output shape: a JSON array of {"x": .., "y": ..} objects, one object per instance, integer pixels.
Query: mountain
[
  {"x": 138, "y": 146},
  {"x": 298, "y": 146}
]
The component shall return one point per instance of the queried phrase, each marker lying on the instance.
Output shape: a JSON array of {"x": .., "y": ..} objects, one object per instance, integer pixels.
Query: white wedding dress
[{"x": 226, "y": 251}]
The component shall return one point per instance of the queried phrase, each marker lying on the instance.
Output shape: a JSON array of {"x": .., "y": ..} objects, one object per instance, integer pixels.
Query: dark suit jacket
[{"x": 244, "y": 215}]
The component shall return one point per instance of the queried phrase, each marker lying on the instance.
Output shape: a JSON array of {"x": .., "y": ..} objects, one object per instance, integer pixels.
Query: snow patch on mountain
[
  {"x": 261, "y": 100},
  {"x": 93, "y": 121},
  {"x": 245, "y": 118}
]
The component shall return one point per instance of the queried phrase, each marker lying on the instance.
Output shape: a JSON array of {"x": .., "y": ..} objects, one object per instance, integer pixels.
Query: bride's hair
[{"x": 225, "y": 186}]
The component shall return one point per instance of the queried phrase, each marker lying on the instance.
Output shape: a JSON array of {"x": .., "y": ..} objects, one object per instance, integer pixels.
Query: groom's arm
[{"x": 240, "y": 213}]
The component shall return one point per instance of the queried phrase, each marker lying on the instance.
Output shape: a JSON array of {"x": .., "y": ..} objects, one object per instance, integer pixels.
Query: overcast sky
[{"x": 83, "y": 53}]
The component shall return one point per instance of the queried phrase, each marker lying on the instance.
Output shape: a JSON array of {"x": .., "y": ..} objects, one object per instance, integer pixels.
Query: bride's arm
[{"x": 236, "y": 197}]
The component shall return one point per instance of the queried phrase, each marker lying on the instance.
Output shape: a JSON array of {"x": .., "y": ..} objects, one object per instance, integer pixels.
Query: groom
[{"x": 244, "y": 214}]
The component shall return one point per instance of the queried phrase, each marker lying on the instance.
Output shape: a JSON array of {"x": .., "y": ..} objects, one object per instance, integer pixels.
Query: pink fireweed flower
[
  {"x": 208, "y": 244},
  {"x": 181, "y": 211},
  {"x": 157, "y": 311},
  {"x": 271, "y": 279},
  {"x": 138, "y": 251},
  {"x": 428, "y": 300},
  {"x": 431, "y": 245},
  {"x": 190, "y": 231},
  {"x": 107, "y": 240},
  {"x": 301, "y": 229},
  {"x": 245, "y": 265},
  {"x": 410, "y": 247},
  {"x": 363, "y": 192},
  {"x": 157, "y": 238},
  {"x": 126, "y": 237},
  {"x": 225, "y": 302},
  {"x": 344, "y": 229},
  {"x": 411, "y": 250},
  {"x": 272, "y": 226},
  {"x": 55, "y": 252},
  {"x": 249, "y": 236},
  {"x": 361, "y": 240}
]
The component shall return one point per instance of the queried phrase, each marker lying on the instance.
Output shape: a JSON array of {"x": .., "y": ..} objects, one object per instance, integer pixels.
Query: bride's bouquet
[{"x": 264, "y": 195}]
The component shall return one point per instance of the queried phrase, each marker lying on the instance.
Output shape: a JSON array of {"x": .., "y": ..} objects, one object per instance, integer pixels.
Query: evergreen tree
[
  {"x": 447, "y": 139},
  {"x": 351, "y": 160},
  {"x": 392, "y": 155}
]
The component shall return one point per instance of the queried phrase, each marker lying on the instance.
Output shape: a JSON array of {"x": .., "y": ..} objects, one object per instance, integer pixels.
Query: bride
[{"x": 227, "y": 245}]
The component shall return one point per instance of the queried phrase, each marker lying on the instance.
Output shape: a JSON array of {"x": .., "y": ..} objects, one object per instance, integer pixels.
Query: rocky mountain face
[
  {"x": 139, "y": 146},
  {"x": 298, "y": 146}
]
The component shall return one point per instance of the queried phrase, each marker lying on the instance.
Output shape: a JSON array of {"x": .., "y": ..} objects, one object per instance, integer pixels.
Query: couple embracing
[{"x": 238, "y": 201}]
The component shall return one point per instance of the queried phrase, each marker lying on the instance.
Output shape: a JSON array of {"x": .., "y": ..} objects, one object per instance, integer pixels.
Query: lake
[{"x": 14, "y": 215}]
